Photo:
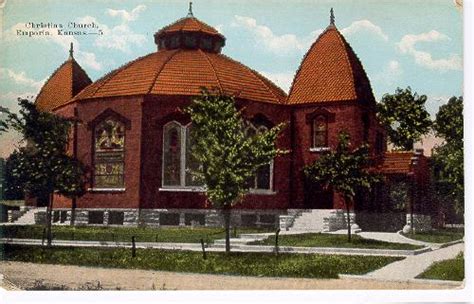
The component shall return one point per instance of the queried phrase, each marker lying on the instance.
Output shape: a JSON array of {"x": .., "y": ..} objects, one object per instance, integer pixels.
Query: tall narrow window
[
  {"x": 262, "y": 181},
  {"x": 320, "y": 132},
  {"x": 109, "y": 143},
  {"x": 172, "y": 155},
  {"x": 178, "y": 161}
]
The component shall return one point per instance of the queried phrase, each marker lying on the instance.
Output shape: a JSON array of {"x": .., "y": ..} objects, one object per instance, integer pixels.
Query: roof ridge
[
  {"x": 255, "y": 73},
  {"x": 107, "y": 77},
  {"x": 213, "y": 69},
  {"x": 302, "y": 60},
  {"x": 346, "y": 56},
  {"x": 161, "y": 69},
  {"x": 49, "y": 78}
]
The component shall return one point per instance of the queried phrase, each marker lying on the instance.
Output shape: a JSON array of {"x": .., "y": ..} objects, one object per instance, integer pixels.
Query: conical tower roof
[
  {"x": 68, "y": 80},
  {"x": 330, "y": 72}
]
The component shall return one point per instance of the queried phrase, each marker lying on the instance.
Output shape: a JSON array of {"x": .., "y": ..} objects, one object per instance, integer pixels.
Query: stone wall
[{"x": 168, "y": 217}]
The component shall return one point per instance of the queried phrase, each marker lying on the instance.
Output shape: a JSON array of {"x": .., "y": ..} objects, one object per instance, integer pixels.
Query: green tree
[
  {"x": 228, "y": 156},
  {"x": 404, "y": 116},
  {"x": 43, "y": 168},
  {"x": 449, "y": 157},
  {"x": 345, "y": 170}
]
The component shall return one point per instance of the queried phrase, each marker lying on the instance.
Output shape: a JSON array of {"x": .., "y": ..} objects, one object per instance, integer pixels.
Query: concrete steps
[
  {"x": 29, "y": 217},
  {"x": 314, "y": 220}
]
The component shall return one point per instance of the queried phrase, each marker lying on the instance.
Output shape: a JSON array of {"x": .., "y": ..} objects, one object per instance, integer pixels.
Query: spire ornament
[
  {"x": 190, "y": 11},
  {"x": 71, "y": 51},
  {"x": 332, "y": 19}
]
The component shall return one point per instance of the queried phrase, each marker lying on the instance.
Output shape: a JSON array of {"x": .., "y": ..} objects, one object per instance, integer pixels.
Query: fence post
[
  {"x": 235, "y": 231},
  {"x": 134, "y": 254},
  {"x": 203, "y": 250},
  {"x": 276, "y": 241}
]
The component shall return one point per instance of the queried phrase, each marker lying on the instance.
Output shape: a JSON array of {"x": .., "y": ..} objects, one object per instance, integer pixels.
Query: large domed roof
[
  {"x": 188, "y": 58},
  {"x": 330, "y": 71},
  {"x": 68, "y": 80}
]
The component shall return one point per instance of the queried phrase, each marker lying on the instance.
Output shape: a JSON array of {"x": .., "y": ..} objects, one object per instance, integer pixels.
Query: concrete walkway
[
  {"x": 391, "y": 237},
  {"x": 221, "y": 248},
  {"x": 412, "y": 266}
]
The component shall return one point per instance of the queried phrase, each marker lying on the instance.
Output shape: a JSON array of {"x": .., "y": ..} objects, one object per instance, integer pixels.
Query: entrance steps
[
  {"x": 314, "y": 220},
  {"x": 28, "y": 218}
]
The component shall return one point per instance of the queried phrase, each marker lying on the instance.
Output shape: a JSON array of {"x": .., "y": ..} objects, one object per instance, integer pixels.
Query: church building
[{"x": 135, "y": 140}]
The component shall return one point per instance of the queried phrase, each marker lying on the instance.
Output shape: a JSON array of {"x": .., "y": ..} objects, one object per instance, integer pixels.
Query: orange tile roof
[
  {"x": 188, "y": 24},
  {"x": 184, "y": 72},
  {"x": 397, "y": 163},
  {"x": 330, "y": 71},
  {"x": 68, "y": 80}
]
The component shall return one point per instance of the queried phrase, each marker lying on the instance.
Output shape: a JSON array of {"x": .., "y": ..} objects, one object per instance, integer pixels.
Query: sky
[{"x": 400, "y": 43}]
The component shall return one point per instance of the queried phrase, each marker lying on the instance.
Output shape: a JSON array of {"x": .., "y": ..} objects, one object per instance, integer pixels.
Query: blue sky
[{"x": 400, "y": 43}]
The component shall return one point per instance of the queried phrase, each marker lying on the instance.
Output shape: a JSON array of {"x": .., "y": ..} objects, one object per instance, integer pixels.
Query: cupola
[{"x": 189, "y": 33}]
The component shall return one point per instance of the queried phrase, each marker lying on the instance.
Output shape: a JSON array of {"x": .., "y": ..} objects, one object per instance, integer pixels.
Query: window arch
[
  {"x": 178, "y": 161},
  {"x": 320, "y": 131},
  {"x": 263, "y": 179},
  {"x": 109, "y": 152}
]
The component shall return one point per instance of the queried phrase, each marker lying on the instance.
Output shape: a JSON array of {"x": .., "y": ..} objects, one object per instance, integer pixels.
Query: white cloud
[
  {"x": 278, "y": 44},
  {"x": 119, "y": 37},
  {"x": 283, "y": 80},
  {"x": 127, "y": 16},
  {"x": 19, "y": 78},
  {"x": 364, "y": 26},
  {"x": 63, "y": 41},
  {"x": 390, "y": 73},
  {"x": 407, "y": 45},
  {"x": 10, "y": 99}
]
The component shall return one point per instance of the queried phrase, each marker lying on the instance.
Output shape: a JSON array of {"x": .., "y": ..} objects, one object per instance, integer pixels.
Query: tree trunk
[
  {"x": 49, "y": 212},
  {"x": 227, "y": 211},
  {"x": 349, "y": 238}
]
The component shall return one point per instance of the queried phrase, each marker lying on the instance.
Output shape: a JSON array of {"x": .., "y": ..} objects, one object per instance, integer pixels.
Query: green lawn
[
  {"x": 438, "y": 236},
  {"x": 452, "y": 270},
  {"x": 252, "y": 264},
  {"x": 332, "y": 240},
  {"x": 177, "y": 235}
]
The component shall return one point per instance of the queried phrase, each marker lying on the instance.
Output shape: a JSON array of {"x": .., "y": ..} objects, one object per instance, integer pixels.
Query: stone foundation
[{"x": 167, "y": 217}]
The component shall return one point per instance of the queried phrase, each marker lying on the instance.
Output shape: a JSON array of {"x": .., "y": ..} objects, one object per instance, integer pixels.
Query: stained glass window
[
  {"x": 172, "y": 155},
  {"x": 109, "y": 143},
  {"x": 320, "y": 138},
  {"x": 178, "y": 161}
]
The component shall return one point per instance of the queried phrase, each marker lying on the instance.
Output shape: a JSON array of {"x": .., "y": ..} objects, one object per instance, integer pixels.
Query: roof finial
[
  {"x": 331, "y": 18},
  {"x": 71, "y": 50},
  {"x": 190, "y": 12}
]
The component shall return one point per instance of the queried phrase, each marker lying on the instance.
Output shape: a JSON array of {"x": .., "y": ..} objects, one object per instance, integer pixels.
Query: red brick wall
[
  {"x": 159, "y": 111},
  {"x": 348, "y": 117},
  {"x": 131, "y": 109}
]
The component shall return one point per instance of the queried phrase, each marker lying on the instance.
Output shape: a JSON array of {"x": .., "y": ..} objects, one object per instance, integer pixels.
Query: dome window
[{"x": 190, "y": 41}]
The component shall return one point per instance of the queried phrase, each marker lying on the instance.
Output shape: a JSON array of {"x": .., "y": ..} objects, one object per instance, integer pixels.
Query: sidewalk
[
  {"x": 412, "y": 266},
  {"x": 216, "y": 248}
]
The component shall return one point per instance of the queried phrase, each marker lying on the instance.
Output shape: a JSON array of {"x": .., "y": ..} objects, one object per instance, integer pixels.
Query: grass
[
  {"x": 333, "y": 240},
  {"x": 452, "y": 270},
  {"x": 123, "y": 234},
  {"x": 250, "y": 264},
  {"x": 438, "y": 236}
]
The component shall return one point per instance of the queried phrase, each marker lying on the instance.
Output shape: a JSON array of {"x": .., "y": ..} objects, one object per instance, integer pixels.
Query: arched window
[
  {"x": 263, "y": 179},
  {"x": 178, "y": 162},
  {"x": 172, "y": 154},
  {"x": 109, "y": 144},
  {"x": 320, "y": 131}
]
